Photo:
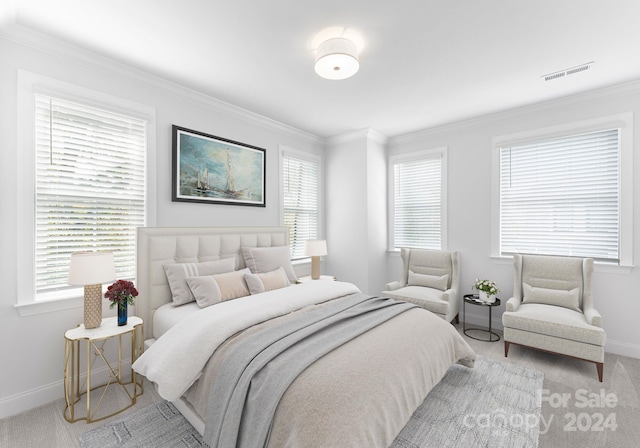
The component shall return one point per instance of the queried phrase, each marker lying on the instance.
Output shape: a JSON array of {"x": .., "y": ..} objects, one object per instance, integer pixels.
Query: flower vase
[
  {"x": 122, "y": 313},
  {"x": 483, "y": 296}
]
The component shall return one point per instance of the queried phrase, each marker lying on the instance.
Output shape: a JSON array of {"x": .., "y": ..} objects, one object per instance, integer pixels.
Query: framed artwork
[{"x": 216, "y": 170}]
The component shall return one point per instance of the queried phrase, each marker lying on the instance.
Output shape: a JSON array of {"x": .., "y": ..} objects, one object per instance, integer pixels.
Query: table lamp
[
  {"x": 91, "y": 270},
  {"x": 315, "y": 249}
]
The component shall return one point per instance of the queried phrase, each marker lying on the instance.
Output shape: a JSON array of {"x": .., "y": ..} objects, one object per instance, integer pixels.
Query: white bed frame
[{"x": 157, "y": 246}]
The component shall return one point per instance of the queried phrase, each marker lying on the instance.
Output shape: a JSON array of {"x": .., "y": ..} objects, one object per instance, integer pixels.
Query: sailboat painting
[{"x": 212, "y": 169}]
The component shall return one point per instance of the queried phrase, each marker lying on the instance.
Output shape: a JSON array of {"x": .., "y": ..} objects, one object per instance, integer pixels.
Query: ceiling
[{"x": 423, "y": 63}]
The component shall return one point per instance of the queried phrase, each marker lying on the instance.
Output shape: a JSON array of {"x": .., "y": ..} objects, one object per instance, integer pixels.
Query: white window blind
[
  {"x": 300, "y": 201},
  {"x": 90, "y": 187},
  {"x": 562, "y": 197},
  {"x": 417, "y": 203}
]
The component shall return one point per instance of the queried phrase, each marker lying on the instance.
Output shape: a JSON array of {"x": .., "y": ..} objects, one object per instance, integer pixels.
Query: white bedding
[
  {"x": 168, "y": 315},
  {"x": 177, "y": 358}
]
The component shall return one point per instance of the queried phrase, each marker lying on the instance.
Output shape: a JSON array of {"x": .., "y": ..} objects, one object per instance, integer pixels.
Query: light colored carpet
[{"x": 495, "y": 404}]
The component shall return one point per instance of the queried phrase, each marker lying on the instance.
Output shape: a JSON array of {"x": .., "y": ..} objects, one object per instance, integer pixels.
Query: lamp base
[
  {"x": 315, "y": 268},
  {"x": 92, "y": 306}
]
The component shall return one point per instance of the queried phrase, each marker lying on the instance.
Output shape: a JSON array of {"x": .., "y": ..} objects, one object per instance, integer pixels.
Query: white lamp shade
[
  {"x": 337, "y": 59},
  {"x": 315, "y": 248},
  {"x": 91, "y": 268}
]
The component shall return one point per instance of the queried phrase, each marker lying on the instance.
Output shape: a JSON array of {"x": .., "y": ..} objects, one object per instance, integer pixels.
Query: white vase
[{"x": 484, "y": 297}]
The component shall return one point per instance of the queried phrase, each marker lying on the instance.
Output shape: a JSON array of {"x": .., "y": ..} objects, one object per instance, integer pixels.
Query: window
[
  {"x": 417, "y": 186},
  {"x": 562, "y": 195},
  {"x": 90, "y": 187},
  {"x": 300, "y": 198},
  {"x": 85, "y": 174}
]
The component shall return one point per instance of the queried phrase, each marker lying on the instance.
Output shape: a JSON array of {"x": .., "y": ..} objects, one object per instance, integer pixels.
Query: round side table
[{"x": 474, "y": 300}]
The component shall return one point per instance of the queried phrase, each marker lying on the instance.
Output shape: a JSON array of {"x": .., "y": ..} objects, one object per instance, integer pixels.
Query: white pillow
[
  {"x": 430, "y": 281},
  {"x": 267, "y": 259},
  {"x": 558, "y": 297},
  {"x": 211, "y": 289},
  {"x": 267, "y": 281},
  {"x": 178, "y": 272}
]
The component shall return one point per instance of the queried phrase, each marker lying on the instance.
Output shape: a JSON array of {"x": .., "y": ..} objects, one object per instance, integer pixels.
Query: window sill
[
  {"x": 597, "y": 267},
  {"x": 48, "y": 306}
]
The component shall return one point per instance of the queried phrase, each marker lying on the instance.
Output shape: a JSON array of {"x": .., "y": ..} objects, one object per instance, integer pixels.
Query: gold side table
[{"x": 95, "y": 339}]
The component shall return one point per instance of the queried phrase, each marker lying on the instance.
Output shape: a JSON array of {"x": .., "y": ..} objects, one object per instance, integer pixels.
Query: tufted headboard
[{"x": 157, "y": 246}]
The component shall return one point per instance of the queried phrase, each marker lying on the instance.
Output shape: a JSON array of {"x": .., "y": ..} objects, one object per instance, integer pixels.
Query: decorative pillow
[
  {"x": 430, "y": 281},
  {"x": 558, "y": 297},
  {"x": 178, "y": 272},
  {"x": 211, "y": 289},
  {"x": 267, "y": 281},
  {"x": 267, "y": 259}
]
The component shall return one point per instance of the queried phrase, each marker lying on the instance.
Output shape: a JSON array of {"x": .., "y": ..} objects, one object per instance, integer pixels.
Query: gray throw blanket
[{"x": 256, "y": 373}]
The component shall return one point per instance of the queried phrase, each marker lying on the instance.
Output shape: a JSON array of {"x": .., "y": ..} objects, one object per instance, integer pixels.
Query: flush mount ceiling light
[{"x": 337, "y": 58}]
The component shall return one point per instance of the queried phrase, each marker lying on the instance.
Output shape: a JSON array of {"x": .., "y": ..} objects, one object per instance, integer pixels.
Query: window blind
[
  {"x": 301, "y": 185},
  {"x": 90, "y": 187},
  {"x": 418, "y": 203},
  {"x": 562, "y": 197}
]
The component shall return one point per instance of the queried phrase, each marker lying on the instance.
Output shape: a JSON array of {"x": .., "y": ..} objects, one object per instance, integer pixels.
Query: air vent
[{"x": 567, "y": 72}]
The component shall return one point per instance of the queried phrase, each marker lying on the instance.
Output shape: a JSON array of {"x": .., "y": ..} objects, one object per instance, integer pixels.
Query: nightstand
[
  {"x": 474, "y": 300},
  {"x": 95, "y": 339},
  {"x": 322, "y": 277}
]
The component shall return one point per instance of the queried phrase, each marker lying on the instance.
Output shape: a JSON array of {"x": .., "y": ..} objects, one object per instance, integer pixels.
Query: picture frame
[{"x": 216, "y": 170}]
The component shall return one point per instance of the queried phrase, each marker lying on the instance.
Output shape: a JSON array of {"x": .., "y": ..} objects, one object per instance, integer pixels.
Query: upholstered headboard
[{"x": 157, "y": 246}]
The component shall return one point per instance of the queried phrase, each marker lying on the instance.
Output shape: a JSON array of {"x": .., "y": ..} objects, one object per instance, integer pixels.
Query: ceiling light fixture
[{"x": 337, "y": 58}]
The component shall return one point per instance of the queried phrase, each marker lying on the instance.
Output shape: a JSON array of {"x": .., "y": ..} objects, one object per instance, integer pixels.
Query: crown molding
[
  {"x": 622, "y": 89},
  {"x": 60, "y": 49}
]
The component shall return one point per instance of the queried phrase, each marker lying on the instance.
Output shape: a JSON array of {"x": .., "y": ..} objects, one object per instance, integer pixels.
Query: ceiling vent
[{"x": 567, "y": 72}]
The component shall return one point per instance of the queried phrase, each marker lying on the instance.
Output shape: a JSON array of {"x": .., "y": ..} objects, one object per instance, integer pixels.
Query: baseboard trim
[
  {"x": 622, "y": 349},
  {"x": 24, "y": 401}
]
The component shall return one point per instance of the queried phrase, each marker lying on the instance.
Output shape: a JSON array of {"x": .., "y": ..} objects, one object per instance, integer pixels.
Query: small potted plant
[
  {"x": 487, "y": 290},
  {"x": 121, "y": 293}
]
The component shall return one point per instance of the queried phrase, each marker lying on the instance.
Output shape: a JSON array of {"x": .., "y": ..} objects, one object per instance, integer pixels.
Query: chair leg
[
  {"x": 600, "y": 367},
  {"x": 506, "y": 348}
]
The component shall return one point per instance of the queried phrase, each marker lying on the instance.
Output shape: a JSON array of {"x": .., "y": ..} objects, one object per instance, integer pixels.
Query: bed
[{"x": 354, "y": 381}]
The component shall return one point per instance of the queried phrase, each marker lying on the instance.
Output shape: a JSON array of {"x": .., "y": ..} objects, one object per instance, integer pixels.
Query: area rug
[{"x": 494, "y": 404}]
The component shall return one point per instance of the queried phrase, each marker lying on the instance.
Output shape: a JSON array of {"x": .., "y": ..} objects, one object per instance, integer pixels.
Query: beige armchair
[
  {"x": 430, "y": 279},
  {"x": 552, "y": 308}
]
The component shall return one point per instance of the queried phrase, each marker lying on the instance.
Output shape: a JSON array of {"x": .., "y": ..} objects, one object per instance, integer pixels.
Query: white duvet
[{"x": 175, "y": 361}]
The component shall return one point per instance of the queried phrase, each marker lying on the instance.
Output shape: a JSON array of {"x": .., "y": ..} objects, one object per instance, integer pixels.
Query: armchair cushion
[
  {"x": 558, "y": 297},
  {"x": 554, "y": 321},
  {"x": 440, "y": 282},
  {"x": 549, "y": 272}
]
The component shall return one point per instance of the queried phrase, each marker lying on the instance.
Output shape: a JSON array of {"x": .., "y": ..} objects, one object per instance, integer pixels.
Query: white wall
[
  {"x": 346, "y": 209},
  {"x": 356, "y": 209},
  {"x": 32, "y": 347},
  {"x": 469, "y": 203}
]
